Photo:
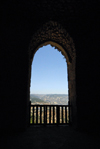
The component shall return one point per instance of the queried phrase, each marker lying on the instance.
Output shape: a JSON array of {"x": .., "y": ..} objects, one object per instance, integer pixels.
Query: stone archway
[{"x": 54, "y": 34}]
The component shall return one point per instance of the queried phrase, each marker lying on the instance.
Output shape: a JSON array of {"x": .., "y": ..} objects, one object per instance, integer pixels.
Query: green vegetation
[
  {"x": 34, "y": 100},
  {"x": 31, "y": 119}
]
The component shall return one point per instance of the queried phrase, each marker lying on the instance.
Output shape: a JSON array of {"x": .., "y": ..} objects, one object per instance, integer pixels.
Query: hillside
[
  {"x": 60, "y": 99},
  {"x": 34, "y": 100}
]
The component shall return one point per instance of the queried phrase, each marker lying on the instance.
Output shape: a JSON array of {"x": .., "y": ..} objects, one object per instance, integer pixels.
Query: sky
[{"x": 49, "y": 72}]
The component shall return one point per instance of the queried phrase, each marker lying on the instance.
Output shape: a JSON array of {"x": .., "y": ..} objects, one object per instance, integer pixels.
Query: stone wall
[{"x": 20, "y": 22}]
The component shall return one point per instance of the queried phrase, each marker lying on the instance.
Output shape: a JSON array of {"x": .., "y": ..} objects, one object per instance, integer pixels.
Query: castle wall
[{"x": 19, "y": 24}]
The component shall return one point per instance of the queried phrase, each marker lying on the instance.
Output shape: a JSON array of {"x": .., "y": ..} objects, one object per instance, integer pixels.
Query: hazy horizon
[{"x": 50, "y": 94}]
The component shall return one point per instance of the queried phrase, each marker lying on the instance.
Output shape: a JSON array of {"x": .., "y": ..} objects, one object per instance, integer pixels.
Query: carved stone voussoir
[{"x": 53, "y": 32}]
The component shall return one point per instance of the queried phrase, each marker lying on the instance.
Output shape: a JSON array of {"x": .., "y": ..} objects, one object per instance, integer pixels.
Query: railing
[{"x": 49, "y": 114}]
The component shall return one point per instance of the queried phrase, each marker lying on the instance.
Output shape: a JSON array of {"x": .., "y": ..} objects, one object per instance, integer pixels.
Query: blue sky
[{"x": 49, "y": 72}]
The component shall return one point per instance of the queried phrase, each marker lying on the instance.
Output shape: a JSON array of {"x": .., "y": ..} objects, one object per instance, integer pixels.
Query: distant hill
[
  {"x": 60, "y": 99},
  {"x": 33, "y": 95},
  {"x": 34, "y": 99}
]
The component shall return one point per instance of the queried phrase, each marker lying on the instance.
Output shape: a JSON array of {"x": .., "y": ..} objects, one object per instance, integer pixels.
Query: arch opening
[
  {"x": 49, "y": 83},
  {"x": 49, "y": 65},
  {"x": 52, "y": 33}
]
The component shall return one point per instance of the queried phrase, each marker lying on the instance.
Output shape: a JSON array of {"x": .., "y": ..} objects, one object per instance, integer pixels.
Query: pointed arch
[{"x": 53, "y": 33}]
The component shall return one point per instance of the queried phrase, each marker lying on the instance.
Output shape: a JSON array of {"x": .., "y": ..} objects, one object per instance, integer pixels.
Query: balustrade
[{"x": 49, "y": 114}]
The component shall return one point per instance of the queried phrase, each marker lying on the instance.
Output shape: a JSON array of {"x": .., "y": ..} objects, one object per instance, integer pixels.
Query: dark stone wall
[
  {"x": 87, "y": 75},
  {"x": 19, "y": 22}
]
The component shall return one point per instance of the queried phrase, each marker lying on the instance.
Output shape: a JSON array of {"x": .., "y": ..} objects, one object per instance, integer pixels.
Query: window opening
[{"x": 49, "y": 87}]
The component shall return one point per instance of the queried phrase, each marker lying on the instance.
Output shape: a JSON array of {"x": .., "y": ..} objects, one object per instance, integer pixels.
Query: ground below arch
[{"x": 50, "y": 137}]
